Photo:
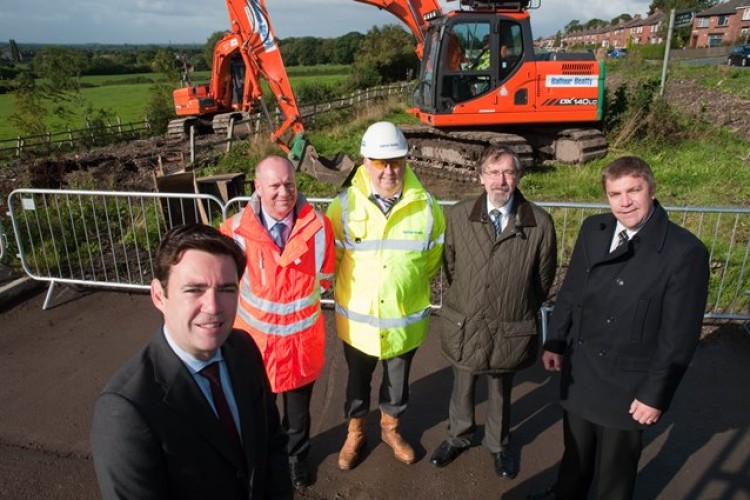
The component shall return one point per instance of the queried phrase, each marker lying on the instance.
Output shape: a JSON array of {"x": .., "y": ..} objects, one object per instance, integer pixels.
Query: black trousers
[
  {"x": 394, "y": 389},
  {"x": 597, "y": 455},
  {"x": 296, "y": 420},
  {"x": 461, "y": 423}
]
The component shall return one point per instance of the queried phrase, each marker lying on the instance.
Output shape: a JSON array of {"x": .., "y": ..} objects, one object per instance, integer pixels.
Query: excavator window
[
  {"x": 468, "y": 57},
  {"x": 237, "y": 74},
  {"x": 466, "y": 62},
  {"x": 423, "y": 96},
  {"x": 511, "y": 47}
]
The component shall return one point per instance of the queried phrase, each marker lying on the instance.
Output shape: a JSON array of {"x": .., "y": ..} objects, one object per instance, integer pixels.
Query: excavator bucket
[{"x": 335, "y": 171}]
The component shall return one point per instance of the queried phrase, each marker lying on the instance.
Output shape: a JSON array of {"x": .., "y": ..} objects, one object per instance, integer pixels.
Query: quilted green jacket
[{"x": 489, "y": 319}]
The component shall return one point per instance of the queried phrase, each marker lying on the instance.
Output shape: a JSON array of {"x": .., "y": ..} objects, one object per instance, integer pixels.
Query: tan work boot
[
  {"x": 355, "y": 441},
  {"x": 390, "y": 436}
]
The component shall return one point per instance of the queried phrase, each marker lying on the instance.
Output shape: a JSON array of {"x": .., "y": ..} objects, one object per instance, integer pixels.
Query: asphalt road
[{"x": 53, "y": 364}]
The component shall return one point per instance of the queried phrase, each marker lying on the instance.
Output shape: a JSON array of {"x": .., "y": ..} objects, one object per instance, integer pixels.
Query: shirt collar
[
  {"x": 269, "y": 221},
  {"x": 396, "y": 195},
  {"x": 505, "y": 209},
  {"x": 632, "y": 232},
  {"x": 193, "y": 364}
]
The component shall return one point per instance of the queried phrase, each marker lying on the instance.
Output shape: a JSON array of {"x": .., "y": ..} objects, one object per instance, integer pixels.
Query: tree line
[{"x": 46, "y": 80}]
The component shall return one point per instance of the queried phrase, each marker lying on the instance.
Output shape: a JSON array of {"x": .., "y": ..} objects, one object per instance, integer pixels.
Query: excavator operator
[{"x": 482, "y": 61}]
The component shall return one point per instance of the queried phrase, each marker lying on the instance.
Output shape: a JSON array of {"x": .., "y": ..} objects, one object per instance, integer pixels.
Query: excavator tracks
[{"x": 453, "y": 154}]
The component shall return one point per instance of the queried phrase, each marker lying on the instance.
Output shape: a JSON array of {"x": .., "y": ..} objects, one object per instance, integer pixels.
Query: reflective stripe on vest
[
  {"x": 389, "y": 244},
  {"x": 383, "y": 323},
  {"x": 272, "y": 307},
  {"x": 279, "y": 330},
  {"x": 280, "y": 308},
  {"x": 320, "y": 249}
]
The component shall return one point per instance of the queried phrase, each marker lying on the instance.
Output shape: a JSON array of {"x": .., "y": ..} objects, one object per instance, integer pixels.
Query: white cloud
[{"x": 193, "y": 21}]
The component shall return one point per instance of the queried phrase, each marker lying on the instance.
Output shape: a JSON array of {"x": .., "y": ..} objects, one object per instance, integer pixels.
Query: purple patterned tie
[{"x": 278, "y": 233}]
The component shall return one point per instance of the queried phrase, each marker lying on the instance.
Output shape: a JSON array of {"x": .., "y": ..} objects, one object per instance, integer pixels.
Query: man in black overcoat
[{"x": 625, "y": 325}]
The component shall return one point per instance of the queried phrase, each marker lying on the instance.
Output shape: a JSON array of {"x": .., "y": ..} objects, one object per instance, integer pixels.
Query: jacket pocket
[
  {"x": 519, "y": 328},
  {"x": 452, "y": 326},
  {"x": 357, "y": 225},
  {"x": 639, "y": 320}
]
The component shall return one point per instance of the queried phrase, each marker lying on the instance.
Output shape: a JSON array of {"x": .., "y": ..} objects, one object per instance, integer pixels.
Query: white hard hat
[{"x": 383, "y": 140}]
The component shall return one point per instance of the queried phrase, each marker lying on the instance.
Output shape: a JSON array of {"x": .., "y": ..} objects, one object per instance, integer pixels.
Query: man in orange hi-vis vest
[{"x": 290, "y": 260}]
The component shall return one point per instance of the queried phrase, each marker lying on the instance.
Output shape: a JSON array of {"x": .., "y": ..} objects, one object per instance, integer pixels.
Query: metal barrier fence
[
  {"x": 725, "y": 231},
  {"x": 109, "y": 238},
  {"x": 99, "y": 238},
  {"x": 3, "y": 243}
]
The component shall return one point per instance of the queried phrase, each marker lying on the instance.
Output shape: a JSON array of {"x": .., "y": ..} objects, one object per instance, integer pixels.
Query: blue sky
[{"x": 193, "y": 21}]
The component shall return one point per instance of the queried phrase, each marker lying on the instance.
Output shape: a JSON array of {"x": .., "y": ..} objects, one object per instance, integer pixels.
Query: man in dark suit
[
  {"x": 192, "y": 415},
  {"x": 626, "y": 323}
]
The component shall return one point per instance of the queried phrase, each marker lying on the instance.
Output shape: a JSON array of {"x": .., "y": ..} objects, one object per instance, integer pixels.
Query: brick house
[
  {"x": 727, "y": 23},
  {"x": 723, "y": 24}
]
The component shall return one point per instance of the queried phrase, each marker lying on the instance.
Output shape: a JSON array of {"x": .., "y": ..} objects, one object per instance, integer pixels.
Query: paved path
[{"x": 53, "y": 364}]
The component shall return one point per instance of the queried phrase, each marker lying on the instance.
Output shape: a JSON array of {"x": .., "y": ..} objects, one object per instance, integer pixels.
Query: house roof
[
  {"x": 654, "y": 18},
  {"x": 724, "y": 9}
]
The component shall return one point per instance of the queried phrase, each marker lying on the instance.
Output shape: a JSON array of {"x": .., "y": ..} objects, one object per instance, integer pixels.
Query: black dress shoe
[
  {"x": 445, "y": 454},
  {"x": 505, "y": 464},
  {"x": 544, "y": 495},
  {"x": 299, "y": 473}
]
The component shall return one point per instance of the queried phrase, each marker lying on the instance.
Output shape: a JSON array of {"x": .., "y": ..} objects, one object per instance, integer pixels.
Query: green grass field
[{"x": 128, "y": 100}]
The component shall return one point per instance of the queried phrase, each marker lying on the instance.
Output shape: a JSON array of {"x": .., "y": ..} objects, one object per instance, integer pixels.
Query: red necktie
[{"x": 211, "y": 372}]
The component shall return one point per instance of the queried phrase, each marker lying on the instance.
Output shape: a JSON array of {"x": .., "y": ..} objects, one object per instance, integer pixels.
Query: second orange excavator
[{"x": 244, "y": 54}]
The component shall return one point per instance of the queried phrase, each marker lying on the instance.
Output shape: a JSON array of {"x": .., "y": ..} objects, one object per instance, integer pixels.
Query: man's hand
[
  {"x": 644, "y": 414},
  {"x": 551, "y": 361}
]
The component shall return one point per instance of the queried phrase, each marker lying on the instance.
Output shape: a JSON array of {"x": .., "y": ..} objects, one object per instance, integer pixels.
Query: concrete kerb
[{"x": 17, "y": 288}]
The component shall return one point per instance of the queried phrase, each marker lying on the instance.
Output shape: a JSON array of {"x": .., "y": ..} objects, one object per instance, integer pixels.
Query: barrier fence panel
[
  {"x": 99, "y": 237},
  {"x": 109, "y": 238},
  {"x": 724, "y": 231},
  {"x": 3, "y": 239}
]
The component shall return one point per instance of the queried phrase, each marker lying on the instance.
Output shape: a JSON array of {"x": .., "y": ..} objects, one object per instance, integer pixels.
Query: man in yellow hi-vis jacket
[{"x": 389, "y": 241}]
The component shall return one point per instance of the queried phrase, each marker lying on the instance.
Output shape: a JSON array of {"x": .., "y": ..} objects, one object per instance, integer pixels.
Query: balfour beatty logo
[
  {"x": 363, "y": 143},
  {"x": 572, "y": 81}
]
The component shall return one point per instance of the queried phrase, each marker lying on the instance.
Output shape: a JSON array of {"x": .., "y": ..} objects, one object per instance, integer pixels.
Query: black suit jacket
[
  {"x": 628, "y": 321},
  {"x": 154, "y": 434}
]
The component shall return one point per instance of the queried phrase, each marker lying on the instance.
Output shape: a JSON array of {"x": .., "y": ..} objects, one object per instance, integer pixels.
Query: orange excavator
[
  {"x": 246, "y": 52},
  {"x": 480, "y": 83}
]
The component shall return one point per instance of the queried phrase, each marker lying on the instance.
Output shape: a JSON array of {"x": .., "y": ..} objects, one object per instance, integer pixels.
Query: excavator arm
[
  {"x": 244, "y": 54},
  {"x": 250, "y": 22},
  {"x": 413, "y": 13}
]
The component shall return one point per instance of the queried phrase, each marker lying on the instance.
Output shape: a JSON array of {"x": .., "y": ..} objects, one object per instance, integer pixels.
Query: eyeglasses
[
  {"x": 393, "y": 162},
  {"x": 495, "y": 174}
]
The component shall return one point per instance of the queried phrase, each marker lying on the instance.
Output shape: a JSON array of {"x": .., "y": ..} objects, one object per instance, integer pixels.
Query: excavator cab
[{"x": 467, "y": 56}]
